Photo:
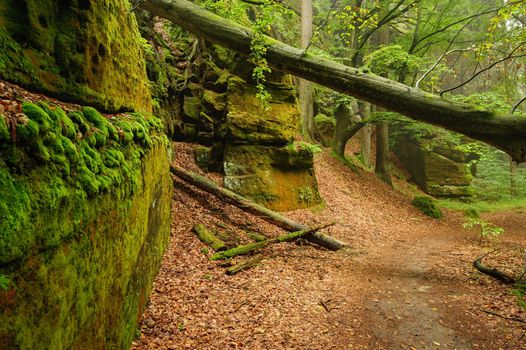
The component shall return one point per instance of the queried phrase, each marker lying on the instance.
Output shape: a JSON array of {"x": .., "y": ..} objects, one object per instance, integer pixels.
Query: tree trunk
[
  {"x": 513, "y": 178},
  {"x": 348, "y": 123},
  {"x": 254, "y": 208},
  {"x": 504, "y": 132},
  {"x": 383, "y": 164},
  {"x": 305, "y": 86},
  {"x": 365, "y": 145}
]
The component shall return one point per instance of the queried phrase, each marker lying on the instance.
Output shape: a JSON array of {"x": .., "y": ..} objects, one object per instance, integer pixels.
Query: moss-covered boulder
[
  {"x": 84, "y": 220},
  {"x": 281, "y": 178},
  {"x": 436, "y": 160},
  {"x": 248, "y": 121},
  {"x": 85, "y": 51}
]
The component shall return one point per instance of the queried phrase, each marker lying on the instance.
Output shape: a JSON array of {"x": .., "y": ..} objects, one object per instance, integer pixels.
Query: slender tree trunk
[
  {"x": 501, "y": 131},
  {"x": 305, "y": 86},
  {"x": 383, "y": 164},
  {"x": 513, "y": 178},
  {"x": 365, "y": 146}
]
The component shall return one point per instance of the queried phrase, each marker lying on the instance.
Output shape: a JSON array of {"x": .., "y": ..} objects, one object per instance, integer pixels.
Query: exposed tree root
[{"x": 493, "y": 272}]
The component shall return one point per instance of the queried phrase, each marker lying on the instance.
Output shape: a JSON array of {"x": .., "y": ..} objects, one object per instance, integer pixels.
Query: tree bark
[
  {"x": 504, "y": 132},
  {"x": 305, "y": 86},
  {"x": 513, "y": 178},
  {"x": 383, "y": 165},
  {"x": 348, "y": 123},
  {"x": 254, "y": 208}
]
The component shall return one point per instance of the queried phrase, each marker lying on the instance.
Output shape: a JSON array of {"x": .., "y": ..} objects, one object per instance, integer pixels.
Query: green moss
[
  {"x": 68, "y": 128},
  {"x": 81, "y": 123},
  {"x": 85, "y": 52},
  {"x": 321, "y": 118},
  {"x": 427, "y": 206},
  {"x": 4, "y": 282},
  {"x": 4, "y": 130},
  {"x": 37, "y": 114},
  {"x": 28, "y": 133}
]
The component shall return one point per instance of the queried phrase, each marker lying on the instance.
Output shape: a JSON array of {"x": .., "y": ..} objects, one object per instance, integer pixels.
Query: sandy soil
[{"x": 408, "y": 282}]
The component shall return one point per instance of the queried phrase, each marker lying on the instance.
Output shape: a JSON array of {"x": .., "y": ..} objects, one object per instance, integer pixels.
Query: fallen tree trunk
[
  {"x": 208, "y": 237},
  {"x": 244, "y": 265},
  {"x": 505, "y": 132},
  {"x": 254, "y": 208},
  {"x": 247, "y": 248}
]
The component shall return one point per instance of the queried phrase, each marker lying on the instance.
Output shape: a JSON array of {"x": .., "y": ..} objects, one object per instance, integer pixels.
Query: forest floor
[{"x": 407, "y": 283}]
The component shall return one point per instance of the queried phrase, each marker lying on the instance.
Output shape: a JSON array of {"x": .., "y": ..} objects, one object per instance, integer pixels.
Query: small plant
[
  {"x": 208, "y": 277},
  {"x": 4, "y": 282},
  {"x": 305, "y": 146},
  {"x": 486, "y": 229},
  {"x": 204, "y": 251},
  {"x": 427, "y": 206},
  {"x": 520, "y": 292}
]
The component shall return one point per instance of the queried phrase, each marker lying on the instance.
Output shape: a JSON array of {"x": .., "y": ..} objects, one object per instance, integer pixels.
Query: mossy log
[
  {"x": 208, "y": 237},
  {"x": 247, "y": 248},
  {"x": 244, "y": 265},
  {"x": 502, "y": 131},
  {"x": 255, "y": 209}
]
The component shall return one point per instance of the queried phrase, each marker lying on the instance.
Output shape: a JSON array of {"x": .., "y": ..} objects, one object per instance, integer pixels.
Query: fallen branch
[
  {"x": 511, "y": 318},
  {"x": 254, "y": 208},
  {"x": 247, "y": 248},
  {"x": 208, "y": 237},
  {"x": 493, "y": 272},
  {"x": 244, "y": 265}
]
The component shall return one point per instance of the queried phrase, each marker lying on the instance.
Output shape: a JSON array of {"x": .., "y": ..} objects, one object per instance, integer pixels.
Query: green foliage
[
  {"x": 258, "y": 50},
  {"x": 485, "y": 229},
  {"x": 519, "y": 291},
  {"x": 427, "y": 206},
  {"x": 392, "y": 59},
  {"x": 321, "y": 118},
  {"x": 492, "y": 101},
  {"x": 4, "y": 282},
  {"x": 302, "y": 146},
  {"x": 484, "y": 206}
]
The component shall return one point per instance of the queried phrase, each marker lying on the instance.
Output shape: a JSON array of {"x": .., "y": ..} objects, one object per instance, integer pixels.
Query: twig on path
[
  {"x": 241, "y": 305},
  {"x": 510, "y": 318}
]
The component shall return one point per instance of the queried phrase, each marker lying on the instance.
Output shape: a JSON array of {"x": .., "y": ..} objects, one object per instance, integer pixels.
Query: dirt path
[{"x": 408, "y": 284}]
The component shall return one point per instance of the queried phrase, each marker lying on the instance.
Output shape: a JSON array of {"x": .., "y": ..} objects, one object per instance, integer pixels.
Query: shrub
[{"x": 427, "y": 206}]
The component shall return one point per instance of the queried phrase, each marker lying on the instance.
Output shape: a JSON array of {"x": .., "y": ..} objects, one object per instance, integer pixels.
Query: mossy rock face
[
  {"x": 281, "y": 178},
  {"x": 82, "y": 229},
  {"x": 84, "y": 51},
  {"x": 248, "y": 121},
  {"x": 437, "y": 165}
]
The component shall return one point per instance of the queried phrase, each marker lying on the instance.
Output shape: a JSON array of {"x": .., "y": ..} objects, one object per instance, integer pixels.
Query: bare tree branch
[
  {"x": 510, "y": 56},
  {"x": 517, "y": 104}
]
